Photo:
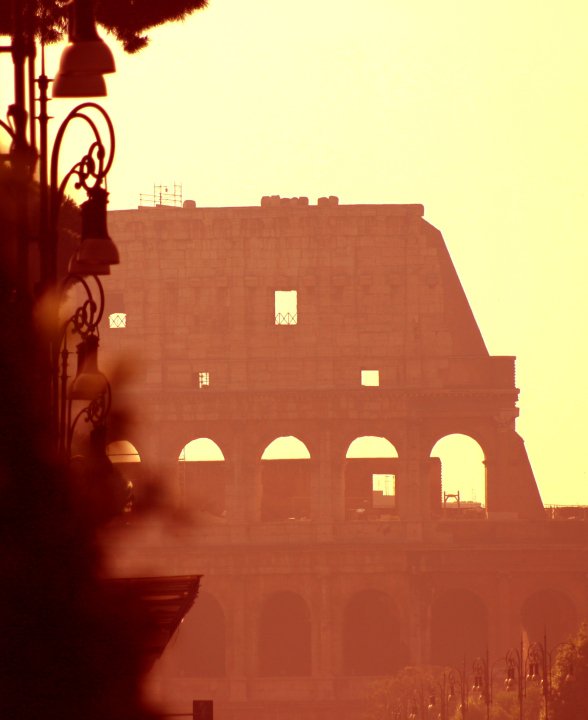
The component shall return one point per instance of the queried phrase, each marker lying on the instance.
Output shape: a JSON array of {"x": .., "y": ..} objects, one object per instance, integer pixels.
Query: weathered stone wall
[{"x": 376, "y": 290}]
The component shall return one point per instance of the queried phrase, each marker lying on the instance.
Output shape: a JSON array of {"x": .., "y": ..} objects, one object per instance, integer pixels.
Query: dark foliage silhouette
[
  {"x": 569, "y": 699},
  {"x": 70, "y": 648},
  {"x": 126, "y": 19}
]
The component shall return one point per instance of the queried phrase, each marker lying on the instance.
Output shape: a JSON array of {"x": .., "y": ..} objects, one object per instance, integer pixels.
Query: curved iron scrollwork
[
  {"x": 95, "y": 414},
  {"x": 94, "y": 166},
  {"x": 88, "y": 174},
  {"x": 89, "y": 384},
  {"x": 86, "y": 318}
]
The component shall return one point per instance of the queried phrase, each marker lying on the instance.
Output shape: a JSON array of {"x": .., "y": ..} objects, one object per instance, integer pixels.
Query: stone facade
[{"x": 314, "y": 584}]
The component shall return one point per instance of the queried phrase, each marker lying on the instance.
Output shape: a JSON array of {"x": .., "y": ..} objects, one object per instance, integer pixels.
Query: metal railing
[{"x": 286, "y": 318}]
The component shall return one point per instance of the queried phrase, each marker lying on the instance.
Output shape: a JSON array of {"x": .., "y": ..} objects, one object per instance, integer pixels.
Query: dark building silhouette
[{"x": 326, "y": 324}]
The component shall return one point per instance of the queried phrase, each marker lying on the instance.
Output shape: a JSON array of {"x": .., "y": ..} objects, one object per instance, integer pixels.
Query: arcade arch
[
  {"x": 201, "y": 449},
  {"x": 459, "y": 627},
  {"x": 371, "y": 635},
  {"x": 370, "y": 478},
  {"x": 548, "y": 612},
  {"x": 284, "y": 636},
  {"x": 457, "y": 477},
  {"x": 202, "y": 474},
  {"x": 286, "y": 447},
  {"x": 199, "y": 647},
  {"x": 285, "y": 480}
]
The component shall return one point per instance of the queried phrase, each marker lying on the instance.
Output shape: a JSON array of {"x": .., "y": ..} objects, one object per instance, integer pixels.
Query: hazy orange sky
[{"x": 478, "y": 111}]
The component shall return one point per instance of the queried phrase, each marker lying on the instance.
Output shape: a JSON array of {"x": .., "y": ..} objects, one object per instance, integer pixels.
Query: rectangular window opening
[
  {"x": 286, "y": 307},
  {"x": 117, "y": 320},
  {"x": 383, "y": 491},
  {"x": 370, "y": 378},
  {"x": 203, "y": 379}
]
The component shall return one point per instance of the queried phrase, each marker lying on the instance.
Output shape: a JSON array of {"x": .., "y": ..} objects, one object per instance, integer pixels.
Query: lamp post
[
  {"x": 540, "y": 667},
  {"x": 83, "y": 63},
  {"x": 93, "y": 258},
  {"x": 514, "y": 664},
  {"x": 533, "y": 667},
  {"x": 566, "y": 665},
  {"x": 416, "y": 705},
  {"x": 452, "y": 687},
  {"x": 537, "y": 670},
  {"x": 457, "y": 689},
  {"x": 482, "y": 673}
]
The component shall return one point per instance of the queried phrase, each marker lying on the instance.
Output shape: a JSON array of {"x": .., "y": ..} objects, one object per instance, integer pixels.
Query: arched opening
[
  {"x": 457, "y": 478},
  {"x": 548, "y": 613},
  {"x": 371, "y": 636},
  {"x": 285, "y": 480},
  {"x": 284, "y": 636},
  {"x": 459, "y": 628},
  {"x": 198, "y": 649},
  {"x": 127, "y": 461},
  {"x": 201, "y": 450},
  {"x": 370, "y": 479},
  {"x": 286, "y": 447},
  {"x": 202, "y": 476}
]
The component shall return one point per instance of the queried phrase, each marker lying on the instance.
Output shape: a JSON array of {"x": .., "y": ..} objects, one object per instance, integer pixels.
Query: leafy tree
[
  {"x": 505, "y": 705},
  {"x": 413, "y": 692},
  {"x": 127, "y": 20},
  {"x": 569, "y": 689},
  {"x": 424, "y": 690}
]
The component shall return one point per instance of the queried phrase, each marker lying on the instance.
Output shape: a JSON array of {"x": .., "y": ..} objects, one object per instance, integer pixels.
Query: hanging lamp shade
[
  {"x": 75, "y": 267},
  {"x": 85, "y": 59},
  {"x": 97, "y": 252},
  {"x": 87, "y": 56},
  {"x": 78, "y": 85},
  {"x": 89, "y": 382}
]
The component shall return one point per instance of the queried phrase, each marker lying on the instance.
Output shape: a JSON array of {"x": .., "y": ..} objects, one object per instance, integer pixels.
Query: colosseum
[{"x": 297, "y": 369}]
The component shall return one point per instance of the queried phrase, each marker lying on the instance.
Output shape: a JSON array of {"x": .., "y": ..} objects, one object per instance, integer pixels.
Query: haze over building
[{"x": 297, "y": 368}]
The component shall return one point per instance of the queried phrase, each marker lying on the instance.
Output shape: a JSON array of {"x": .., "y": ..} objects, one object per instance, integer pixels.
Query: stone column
[
  {"x": 237, "y": 637},
  {"x": 418, "y": 608},
  {"x": 235, "y": 480},
  {"x": 244, "y": 482},
  {"x": 413, "y": 492},
  {"x": 336, "y": 464},
  {"x": 325, "y": 488},
  {"x": 323, "y": 661},
  {"x": 159, "y": 453}
]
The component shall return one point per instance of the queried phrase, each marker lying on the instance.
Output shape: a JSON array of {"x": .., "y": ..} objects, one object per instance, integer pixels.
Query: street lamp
[
  {"x": 514, "y": 679},
  {"x": 537, "y": 671},
  {"x": 86, "y": 59},
  {"x": 482, "y": 681},
  {"x": 452, "y": 688},
  {"x": 93, "y": 258},
  {"x": 532, "y": 667},
  {"x": 83, "y": 64},
  {"x": 416, "y": 704},
  {"x": 51, "y": 516},
  {"x": 540, "y": 665},
  {"x": 457, "y": 689}
]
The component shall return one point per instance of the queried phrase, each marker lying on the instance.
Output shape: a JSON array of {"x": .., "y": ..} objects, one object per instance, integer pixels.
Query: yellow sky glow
[{"x": 478, "y": 111}]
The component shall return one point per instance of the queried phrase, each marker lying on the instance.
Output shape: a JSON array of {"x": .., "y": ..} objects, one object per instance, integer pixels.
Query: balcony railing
[{"x": 286, "y": 318}]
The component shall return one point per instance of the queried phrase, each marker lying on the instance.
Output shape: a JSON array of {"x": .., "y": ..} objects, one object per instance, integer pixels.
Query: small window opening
[
  {"x": 203, "y": 379},
  {"x": 286, "y": 307},
  {"x": 117, "y": 320},
  {"x": 370, "y": 378},
  {"x": 383, "y": 491}
]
